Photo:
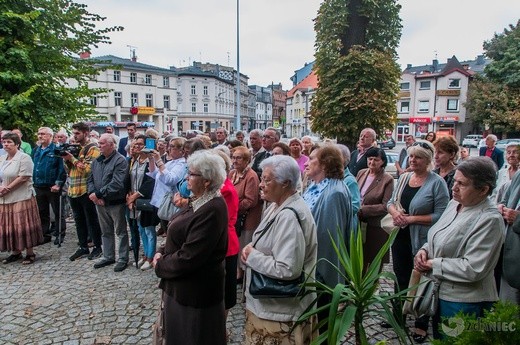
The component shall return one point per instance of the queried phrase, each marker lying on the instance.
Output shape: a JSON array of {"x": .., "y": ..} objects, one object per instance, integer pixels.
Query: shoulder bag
[
  {"x": 143, "y": 205},
  {"x": 511, "y": 268},
  {"x": 240, "y": 223},
  {"x": 423, "y": 297},
  {"x": 166, "y": 208},
  {"x": 387, "y": 222},
  {"x": 262, "y": 286}
]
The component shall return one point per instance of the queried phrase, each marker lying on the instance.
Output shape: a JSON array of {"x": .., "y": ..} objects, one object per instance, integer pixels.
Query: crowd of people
[{"x": 231, "y": 209}]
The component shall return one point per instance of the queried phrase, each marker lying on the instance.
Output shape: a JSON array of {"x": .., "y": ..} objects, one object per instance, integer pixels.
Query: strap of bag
[
  {"x": 268, "y": 225},
  {"x": 400, "y": 187}
]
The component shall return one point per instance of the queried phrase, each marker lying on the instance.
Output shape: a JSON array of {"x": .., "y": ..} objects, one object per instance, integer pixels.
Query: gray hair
[
  {"x": 47, "y": 130},
  {"x": 345, "y": 152},
  {"x": 371, "y": 131},
  {"x": 224, "y": 156},
  {"x": 418, "y": 149},
  {"x": 224, "y": 149},
  {"x": 95, "y": 133},
  {"x": 284, "y": 168},
  {"x": 211, "y": 166},
  {"x": 257, "y": 131},
  {"x": 276, "y": 132},
  {"x": 481, "y": 171},
  {"x": 223, "y": 129},
  {"x": 492, "y": 137},
  {"x": 110, "y": 138}
]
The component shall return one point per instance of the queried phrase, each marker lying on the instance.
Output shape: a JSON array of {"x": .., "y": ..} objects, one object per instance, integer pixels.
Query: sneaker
[
  {"x": 120, "y": 266},
  {"x": 80, "y": 252},
  {"x": 141, "y": 262},
  {"x": 146, "y": 266},
  {"x": 95, "y": 253}
]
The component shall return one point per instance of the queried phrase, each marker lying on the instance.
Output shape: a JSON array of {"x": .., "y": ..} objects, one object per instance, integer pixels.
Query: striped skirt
[{"x": 20, "y": 225}]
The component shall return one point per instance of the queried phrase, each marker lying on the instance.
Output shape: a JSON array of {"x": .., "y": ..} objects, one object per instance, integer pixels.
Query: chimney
[
  {"x": 84, "y": 55},
  {"x": 435, "y": 64},
  {"x": 481, "y": 60},
  {"x": 133, "y": 56},
  {"x": 408, "y": 66}
]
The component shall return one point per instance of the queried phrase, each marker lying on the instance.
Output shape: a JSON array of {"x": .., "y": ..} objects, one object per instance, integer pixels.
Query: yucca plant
[{"x": 358, "y": 298}]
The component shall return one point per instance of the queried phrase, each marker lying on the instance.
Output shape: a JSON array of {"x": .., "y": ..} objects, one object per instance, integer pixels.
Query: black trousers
[
  {"x": 86, "y": 219},
  {"x": 44, "y": 198}
]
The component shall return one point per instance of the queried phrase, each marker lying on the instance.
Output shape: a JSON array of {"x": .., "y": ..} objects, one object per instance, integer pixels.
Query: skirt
[{"x": 20, "y": 225}]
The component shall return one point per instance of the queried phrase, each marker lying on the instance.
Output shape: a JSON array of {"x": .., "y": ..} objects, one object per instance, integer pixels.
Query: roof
[
  {"x": 310, "y": 82},
  {"x": 469, "y": 67},
  {"x": 302, "y": 73},
  {"x": 128, "y": 64}
]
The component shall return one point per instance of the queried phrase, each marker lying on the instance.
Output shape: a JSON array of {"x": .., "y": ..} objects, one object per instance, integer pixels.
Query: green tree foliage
[
  {"x": 42, "y": 82},
  {"x": 355, "y": 63},
  {"x": 494, "y": 99}
]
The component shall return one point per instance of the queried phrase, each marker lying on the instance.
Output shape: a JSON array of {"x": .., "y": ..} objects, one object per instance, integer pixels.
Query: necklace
[{"x": 416, "y": 181}]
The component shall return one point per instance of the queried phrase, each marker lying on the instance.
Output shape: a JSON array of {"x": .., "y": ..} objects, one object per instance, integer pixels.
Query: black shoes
[
  {"x": 104, "y": 263},
  {"x": 80, "y": 252},
  {"x": 95, "y": 253},
  {"x": 120, "y": 266}
]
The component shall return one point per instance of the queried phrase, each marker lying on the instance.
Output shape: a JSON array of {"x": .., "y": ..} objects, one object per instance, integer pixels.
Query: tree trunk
[{"x": 356, "y": 33}]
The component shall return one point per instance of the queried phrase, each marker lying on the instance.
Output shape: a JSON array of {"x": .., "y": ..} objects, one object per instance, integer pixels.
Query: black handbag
[
  {"x": 262, "y": 286},
  {"x": 143, "y": 205},
  {"x": 240, "y": 223}
]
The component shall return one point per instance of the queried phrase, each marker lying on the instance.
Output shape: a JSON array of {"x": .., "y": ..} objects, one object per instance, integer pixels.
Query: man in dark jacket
[
  {"x": 107, "y": 189},
  {"x": 358, "y": 159},
  {"x": 491, "y": 151}
]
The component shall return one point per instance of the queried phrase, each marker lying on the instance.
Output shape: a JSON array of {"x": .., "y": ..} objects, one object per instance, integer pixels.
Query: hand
[
  {"x": 3, "y": 190},
  {"x": 509, "y": 214},
  {"x": 400, "y": 219},
  {"x": 421, "y": 262},
  {"x": 55, "y": 189},
  {"x": 96, "y": 200},
  {"x": 245, "y": 253},
  {"x": 67, "y": 156},
  {"x": 156, "y": 257},
  {"x": 155, "y": 155}
]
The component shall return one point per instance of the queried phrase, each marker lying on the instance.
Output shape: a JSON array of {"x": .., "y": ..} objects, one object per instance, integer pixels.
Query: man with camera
[
  {"x": 84, "y": 211},
  {"x": 49, "y": 177}
]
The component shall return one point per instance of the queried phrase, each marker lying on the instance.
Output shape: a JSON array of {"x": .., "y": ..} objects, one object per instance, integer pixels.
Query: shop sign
[
  {"x": 446, "y": 119},
  {"x": 420, "y": 120},
  {"x": 145, "y": 110},
  {"x": 448, "y": 92}
]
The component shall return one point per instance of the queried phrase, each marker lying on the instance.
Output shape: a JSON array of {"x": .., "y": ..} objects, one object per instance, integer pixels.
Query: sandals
[
  {"x": 29, "y": 259},
  {"x": 12, "y": 258}
]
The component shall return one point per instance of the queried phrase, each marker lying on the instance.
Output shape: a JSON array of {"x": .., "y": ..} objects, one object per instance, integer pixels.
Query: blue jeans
[
  {"x": 149, "y": 239},
  {"x": 449, "y": 309}
]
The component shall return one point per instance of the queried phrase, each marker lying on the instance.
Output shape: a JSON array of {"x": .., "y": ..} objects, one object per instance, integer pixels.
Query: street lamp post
[{"x": 237, "y": 120}]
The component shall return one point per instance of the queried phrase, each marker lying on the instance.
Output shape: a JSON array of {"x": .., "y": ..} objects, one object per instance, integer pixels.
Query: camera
[{"x": 63, "y": 149}]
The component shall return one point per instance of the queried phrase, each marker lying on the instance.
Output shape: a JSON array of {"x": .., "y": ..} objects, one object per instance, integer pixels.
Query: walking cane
[{"x": 58, "y": 235}]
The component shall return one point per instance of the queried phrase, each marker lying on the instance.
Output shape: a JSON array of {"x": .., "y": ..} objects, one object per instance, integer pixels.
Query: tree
[
  {"x": 355, "y": 63},
  {"x": 42, "y": 82},
  {"x": 494, "y": 99}
]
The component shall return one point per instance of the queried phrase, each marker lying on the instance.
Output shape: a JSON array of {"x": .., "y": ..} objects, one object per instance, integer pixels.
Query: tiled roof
[
  {"x": 133, "y": 65},
  {"x": 310, "y": 82}
]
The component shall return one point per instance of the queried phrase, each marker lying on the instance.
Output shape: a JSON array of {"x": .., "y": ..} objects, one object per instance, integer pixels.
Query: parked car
[
  {"x": 501, "y": 144},
  {"x": 391, "y": 157},
  {"x": 481, "y": 143},
  {"x": 471, "y": 140},
  {"x": 386, "y": 143}
]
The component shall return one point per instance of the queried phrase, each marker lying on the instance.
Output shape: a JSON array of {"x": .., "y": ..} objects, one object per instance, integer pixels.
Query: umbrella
[{"x": 134, "y": 238}]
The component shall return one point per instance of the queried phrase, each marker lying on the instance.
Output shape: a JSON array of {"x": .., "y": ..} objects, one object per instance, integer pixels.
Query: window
[
  {"x": 193, "y": 107},
  {"x": 193, "y": 90},
  {"x": 424, "y": 106},
  {"x": 134, "y": 99},
  {"x": 93, "y": 101},
  {"x": 149, "y": 100},
  {"x": 425, "y": 85},
  {"x": 454, "y": 84},
  {"x": 118, "y": 98},
  {"x": 405, "y": 107},
  {"x": 405, "y": 86},
  {"x": 205, "y": 90},
  {"x": 166, "y": 101},
  {"x": 206, "y": 107},
  {"x": 166, "y": 81},
  {"x": 117, "y": 76},
  {"x": 148, "y": 79},
  {"x": 452, "y": 105},
  {"x": 133, "y": 77}
]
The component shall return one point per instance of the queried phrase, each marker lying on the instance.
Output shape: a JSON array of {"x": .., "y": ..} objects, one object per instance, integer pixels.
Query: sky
[{"x": 277, "y": 36}]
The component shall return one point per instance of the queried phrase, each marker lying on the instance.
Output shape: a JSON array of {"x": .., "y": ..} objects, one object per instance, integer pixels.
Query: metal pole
[{"x": 237, "y": 123}]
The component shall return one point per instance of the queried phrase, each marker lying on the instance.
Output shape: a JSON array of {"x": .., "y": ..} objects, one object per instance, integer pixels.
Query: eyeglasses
[
  {"x": 267, "y": 137},
  {"x": 265, "y": 181},
  {"x": 192, "y": 174},
  {"x": 423, "y": 145},
  {"x": 238, "y": 158}
]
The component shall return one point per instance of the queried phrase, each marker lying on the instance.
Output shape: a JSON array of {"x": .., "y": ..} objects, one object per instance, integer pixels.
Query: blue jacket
[
  {"x": 48, "y": 168},
  {"x": 497, "y": 156}
]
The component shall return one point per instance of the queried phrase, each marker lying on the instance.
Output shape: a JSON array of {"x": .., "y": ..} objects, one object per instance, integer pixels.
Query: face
[
  {"x": 60, "y": 138},
  {"x": 238, "y": 160},
  {"x": 9, "y": 146},
  {"x": 513, "y": 156},
  {"x": 268, "y": 139},
  {"x": 442, "y": 158},
  {"x": 161, "y": 146},
  {"x": 429, "y": 137},
  {"x": 409, "y": 141},
  {"x": 313, "y": 168},
  {"x": 175, "y": 152},
  {"x": 94, "y": 135},
  {"x": 307, "y": 144},
  {"x": 240, "y": 137},
  {"x": 110, "y": 130},
  {"x": 137, "y": 146},
  {"x": 256, "y": 141},
  {"x": 196, "y": 183},
  {"x": 131, "y": 131},
  {"x": 79, "y": 136},
  {"x": 463, "y": 152},
  {"x": 375, "y": 163},
  {"x": 271, "y": 190},
  {"x": 464, "y": 192},
  {"x": 221, "y": 135},
  {"x": 418, "y": 163},
  {"x": 295, "y": 147},
  {"x": 106, "y": 147},
  {"x": 490, "y": 142},
  {"x": 44, "y": 137},
  {"x": 366, "y": 139}
]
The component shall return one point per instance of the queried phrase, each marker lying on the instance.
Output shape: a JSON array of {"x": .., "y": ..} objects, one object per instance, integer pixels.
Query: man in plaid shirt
[{"x": 84, "y": 210}]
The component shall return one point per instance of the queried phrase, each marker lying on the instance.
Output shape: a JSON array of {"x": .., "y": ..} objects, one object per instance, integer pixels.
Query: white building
[{"x": 298, "y": 107}]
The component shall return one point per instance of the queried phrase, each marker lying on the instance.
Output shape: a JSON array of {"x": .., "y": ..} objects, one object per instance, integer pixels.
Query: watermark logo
[{"x": 454, "y": 326}]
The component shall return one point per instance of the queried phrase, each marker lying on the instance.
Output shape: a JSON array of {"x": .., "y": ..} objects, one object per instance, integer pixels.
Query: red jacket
[{"x": 230, "y": 195}]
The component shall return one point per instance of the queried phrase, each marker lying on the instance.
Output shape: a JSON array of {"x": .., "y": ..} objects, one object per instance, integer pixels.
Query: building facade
[
  {"x": 263, "y": 107},
  {"x": 298, "y": 107}
]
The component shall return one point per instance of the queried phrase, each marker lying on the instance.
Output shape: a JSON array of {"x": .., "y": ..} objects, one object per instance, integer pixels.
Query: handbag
[
  {"x": 143, "y": 205},
  {"x": 387, "y": 222},
  {"x": 240, "y": 223},
  {"x": 511, "y": 268},
  {"x": 262, "y": 286},
  {"x": 166, "y": 208},
  {"x": 422, "y": 299}
]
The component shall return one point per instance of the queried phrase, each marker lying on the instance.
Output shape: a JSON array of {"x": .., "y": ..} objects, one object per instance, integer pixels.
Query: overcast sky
[{"x": 277, "y": 36}]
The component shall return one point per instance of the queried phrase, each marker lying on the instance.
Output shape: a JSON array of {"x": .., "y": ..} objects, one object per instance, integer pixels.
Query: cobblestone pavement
[{"x": 56, "y": 301}]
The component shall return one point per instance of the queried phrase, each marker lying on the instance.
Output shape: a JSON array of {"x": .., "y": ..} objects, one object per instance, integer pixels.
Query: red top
[{"x": 230, "y": 195}]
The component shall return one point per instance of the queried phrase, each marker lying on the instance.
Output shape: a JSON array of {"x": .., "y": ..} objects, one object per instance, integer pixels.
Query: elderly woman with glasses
[
  {"x": 284, "y": 245},
  {"x": 419, "y": 205},
  {"x": 191, "y": 264}
]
